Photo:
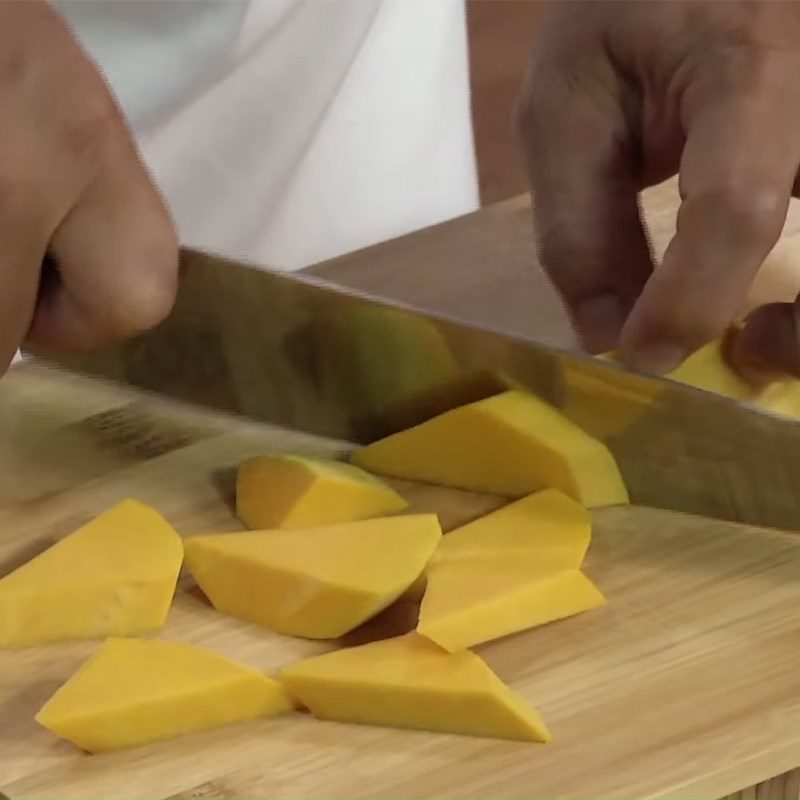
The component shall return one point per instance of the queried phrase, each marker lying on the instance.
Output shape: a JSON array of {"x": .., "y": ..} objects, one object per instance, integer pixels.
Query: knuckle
[
  {"x": 146, "y": 296},
  {"x": 763, "y": 212},
  {"x": 751, "y": 213},
  {"x": 91, "y": 130}
]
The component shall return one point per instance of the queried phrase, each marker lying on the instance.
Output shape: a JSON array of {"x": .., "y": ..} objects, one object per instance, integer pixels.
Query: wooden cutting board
[{"x": 687, "y": 684}]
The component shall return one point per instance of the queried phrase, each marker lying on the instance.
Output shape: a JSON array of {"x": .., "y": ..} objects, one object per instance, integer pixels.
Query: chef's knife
[{"x": 299, "y": 352}]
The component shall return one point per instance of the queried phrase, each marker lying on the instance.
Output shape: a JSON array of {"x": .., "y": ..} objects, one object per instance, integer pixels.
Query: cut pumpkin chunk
[
  {"x": 318, "y": 583},
  {"x": 467, "y": 603},
  {"x": 114, "y": 576},
  {"x": 547, "y": 530},
  {"x": 285, "y": 491},
  {"x": 510, "y": 444},
  {"x": 707, "y": 369},
  {"x": 409, "y": 682},
  {"x": 134, "y": 691}
]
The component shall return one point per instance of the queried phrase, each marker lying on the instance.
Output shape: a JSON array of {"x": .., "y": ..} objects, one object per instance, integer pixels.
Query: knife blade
[{"x": 300, "y": 352}]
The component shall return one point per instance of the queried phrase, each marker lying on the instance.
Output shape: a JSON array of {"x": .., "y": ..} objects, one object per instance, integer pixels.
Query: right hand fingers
[
  {"x": 586, "y": 215},
  {"x": 71, "y": 184},
  {"x": 735, "y": 192},
  {"x": 637, "y": 88}
]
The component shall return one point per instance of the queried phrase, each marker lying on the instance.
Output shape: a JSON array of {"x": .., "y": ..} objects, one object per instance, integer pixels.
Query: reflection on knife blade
[{"x": 299, "y": 352}]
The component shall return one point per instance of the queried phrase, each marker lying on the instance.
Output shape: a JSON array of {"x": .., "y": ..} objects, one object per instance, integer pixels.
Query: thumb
[{"x": 767, "y": 347}]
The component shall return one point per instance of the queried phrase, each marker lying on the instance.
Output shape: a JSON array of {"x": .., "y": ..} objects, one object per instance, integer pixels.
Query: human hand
[
  {"x": 620, "y": 96},
  {"x": 72, "y": 187}
]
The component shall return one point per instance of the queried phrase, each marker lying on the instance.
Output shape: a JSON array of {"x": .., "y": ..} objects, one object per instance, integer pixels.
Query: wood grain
[
  {"x": 687, "y": 684},
  {"x": 483, "y": 268}
]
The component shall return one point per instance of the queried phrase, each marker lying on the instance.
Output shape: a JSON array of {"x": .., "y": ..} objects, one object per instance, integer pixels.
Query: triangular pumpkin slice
[
  {"x": 510, "y": 444},
  {"x": 318, "y": 583},
  {"x": 114, "y": 576},
  {"x": 409, "y": 682},
  {"x": 286, "y": 491},
  {"x": 135, "y": 691},
  {"x": 547, "y": 530},
  {"x": 467, "y": 603}
]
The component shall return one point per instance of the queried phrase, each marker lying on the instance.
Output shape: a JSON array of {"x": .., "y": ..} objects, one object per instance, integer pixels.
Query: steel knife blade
[{"x": 300, "y": 352}]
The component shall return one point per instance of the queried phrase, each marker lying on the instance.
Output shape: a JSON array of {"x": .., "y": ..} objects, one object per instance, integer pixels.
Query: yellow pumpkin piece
[
  {"x": 135, "y": 691},
  {"x": 510, "y": 444},
  {"x": 707, "y": 369},
  {"x": 467, "y": 603},
  {"x": 408, "y": 682},
  {"x": 781, "y": 397},
  {"x": 114, "y": 576},
  {"x": 547, "y": 530},
  {"x": 285, "y": 491},
  {"x": 318, "y": 583},
  {"x": 467, "y": 387}
]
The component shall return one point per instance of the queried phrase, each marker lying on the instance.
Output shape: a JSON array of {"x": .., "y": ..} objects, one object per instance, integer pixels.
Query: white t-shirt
[{"x": 286, "y": 132}]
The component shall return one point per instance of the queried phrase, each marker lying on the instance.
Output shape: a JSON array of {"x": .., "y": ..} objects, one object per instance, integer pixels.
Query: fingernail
[
  {"x": 599, "y": 320},
  {"x": 656, "y": 357}
]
